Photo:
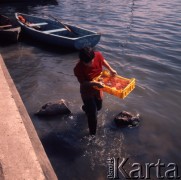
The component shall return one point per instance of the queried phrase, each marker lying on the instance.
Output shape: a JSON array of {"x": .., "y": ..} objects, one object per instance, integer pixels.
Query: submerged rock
[
  {"x": 126, "y": 119},
  {"x": 54, "y": 108}
]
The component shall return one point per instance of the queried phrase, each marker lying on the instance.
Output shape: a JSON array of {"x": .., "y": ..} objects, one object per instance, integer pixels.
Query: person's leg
[
  {"x": 98, "y": 103},
  {"x": 98, "y": 99},
  {"x": 90, "y": 108}
]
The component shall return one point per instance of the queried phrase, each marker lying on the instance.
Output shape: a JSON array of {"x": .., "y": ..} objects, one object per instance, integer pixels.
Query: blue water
[{"x": 140, "y": 39}]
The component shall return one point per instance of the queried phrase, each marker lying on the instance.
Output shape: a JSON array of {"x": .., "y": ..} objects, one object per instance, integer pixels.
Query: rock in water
[
  {"x": 126, "y": 119},
  {"x": 54, "y": 108}
]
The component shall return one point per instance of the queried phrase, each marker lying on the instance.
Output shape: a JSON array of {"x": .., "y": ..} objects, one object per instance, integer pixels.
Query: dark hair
[{"x": 86, "y": 54}]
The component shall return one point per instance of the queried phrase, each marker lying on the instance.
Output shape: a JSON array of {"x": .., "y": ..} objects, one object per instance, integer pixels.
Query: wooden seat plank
[
  {"x": 54, "y": 30},
  {"x": 37, "y": 24}
]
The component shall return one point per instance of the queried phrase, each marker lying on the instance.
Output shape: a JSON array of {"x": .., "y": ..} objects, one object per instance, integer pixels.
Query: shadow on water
[
  {"x": 6, "y": 44},
  {"x": 63, "y": 143},
  {"x": 45, "y": 46},
  {"x": 68, "y": 143}
]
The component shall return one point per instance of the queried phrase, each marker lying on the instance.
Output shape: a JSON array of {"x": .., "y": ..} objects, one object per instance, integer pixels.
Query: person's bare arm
[{"x": 106, "y": 65}]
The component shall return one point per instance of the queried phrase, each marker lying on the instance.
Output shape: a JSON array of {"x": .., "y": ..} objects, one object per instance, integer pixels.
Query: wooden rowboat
[
  {"x": 8, "y": 32},
  {"x": 52, "y": 31}
]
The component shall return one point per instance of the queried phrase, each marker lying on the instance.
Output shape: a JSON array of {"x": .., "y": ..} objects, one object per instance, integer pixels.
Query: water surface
[{"x": 140, "y": 39}]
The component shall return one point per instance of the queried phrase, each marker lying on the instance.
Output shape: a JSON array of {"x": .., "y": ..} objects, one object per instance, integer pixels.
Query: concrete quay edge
[{"x": 22, "y": 155}]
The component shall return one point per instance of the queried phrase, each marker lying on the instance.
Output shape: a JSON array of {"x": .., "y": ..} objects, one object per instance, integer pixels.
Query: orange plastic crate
[{"x": 116, "y": 85}]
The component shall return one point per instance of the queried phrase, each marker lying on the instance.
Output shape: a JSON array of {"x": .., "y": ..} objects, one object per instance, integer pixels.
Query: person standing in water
[{"x": 90, "y": 65}]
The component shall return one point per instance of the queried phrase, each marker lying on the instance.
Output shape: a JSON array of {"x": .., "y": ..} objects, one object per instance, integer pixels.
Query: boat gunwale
[{"x": 64, "y": 37}]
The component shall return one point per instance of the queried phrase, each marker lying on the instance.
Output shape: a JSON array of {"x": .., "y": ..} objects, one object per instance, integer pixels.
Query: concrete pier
[{"x": 22, "y": 156}]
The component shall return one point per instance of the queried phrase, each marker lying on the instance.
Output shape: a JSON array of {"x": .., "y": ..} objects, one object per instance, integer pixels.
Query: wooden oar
[
  {"x": 66, "y": 27},
  {"x": 5, "y": 26}
]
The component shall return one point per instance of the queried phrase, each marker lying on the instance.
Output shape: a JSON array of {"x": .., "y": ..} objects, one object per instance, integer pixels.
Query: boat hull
[{"x": 83, "y": 38}]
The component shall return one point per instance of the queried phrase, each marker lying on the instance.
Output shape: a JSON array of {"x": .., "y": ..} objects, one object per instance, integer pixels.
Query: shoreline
[{"x": 21, "y": 154}]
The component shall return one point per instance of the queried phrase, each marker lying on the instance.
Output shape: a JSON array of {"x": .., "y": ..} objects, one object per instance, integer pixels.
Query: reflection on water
[{"x": 140, "y": 39}]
